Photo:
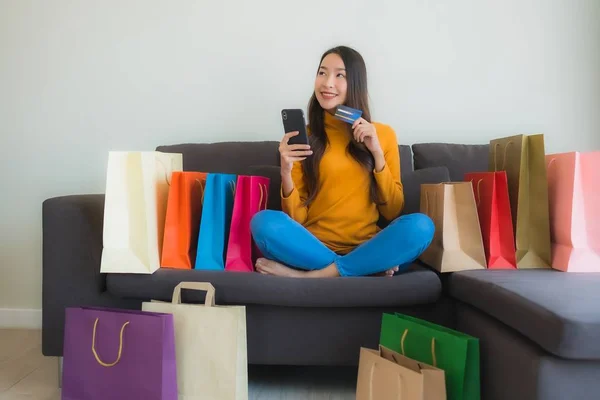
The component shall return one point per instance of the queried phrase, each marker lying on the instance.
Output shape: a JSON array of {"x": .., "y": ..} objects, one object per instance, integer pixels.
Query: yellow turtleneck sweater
[{"x": 342, "y": 215}]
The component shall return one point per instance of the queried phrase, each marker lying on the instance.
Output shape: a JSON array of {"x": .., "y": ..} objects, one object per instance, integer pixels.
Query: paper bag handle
[
  {"x": 260, "y": 202},
  {"x": 550, "y": 163},
  {"x": 203, "y": 286},
  {"x": 167, "y": 174},
  {"x": 478, "y": 191},
  {"x": 202, "y": 188},
  {"x": 97, "y": 357},
  {"x": 400, "y": 384},
  {"x": 432, "y": 347},
  {"x": 503, "y": 158}
]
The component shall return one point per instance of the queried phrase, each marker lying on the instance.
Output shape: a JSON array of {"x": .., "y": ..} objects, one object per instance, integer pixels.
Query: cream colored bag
[
  {"x": 457, "y": 244},
  {"x": 137, "y": 188},
  {"x": 211, "y": 346}
]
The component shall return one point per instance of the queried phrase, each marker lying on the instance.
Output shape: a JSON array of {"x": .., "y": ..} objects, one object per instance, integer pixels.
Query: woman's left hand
[{"x": 365, "y": 132}]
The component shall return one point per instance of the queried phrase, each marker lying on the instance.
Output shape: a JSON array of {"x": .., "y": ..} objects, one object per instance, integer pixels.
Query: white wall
[{"x": 80, "y": 78}]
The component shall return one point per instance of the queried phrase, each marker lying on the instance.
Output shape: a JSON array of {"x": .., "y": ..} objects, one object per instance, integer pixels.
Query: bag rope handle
[
  {"x": 202, "y": 189},
  {"x": 167, "y": 175},
  {"x": 104, "y": 364},
  {"x": 478, "y": 191},
  {"x": 432, "y": 347},
  {"x": 503, "y": 158},
  {"x": 260, "y": 201}
]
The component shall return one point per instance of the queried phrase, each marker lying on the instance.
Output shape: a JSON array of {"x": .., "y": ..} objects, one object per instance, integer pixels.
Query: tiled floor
[{"x": 26, "y": 374}]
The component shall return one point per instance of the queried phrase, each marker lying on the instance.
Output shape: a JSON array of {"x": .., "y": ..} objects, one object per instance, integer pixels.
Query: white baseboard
[{"x": 20, "y": 318}]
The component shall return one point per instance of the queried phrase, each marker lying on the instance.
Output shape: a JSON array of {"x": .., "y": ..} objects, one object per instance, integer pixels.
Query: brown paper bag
[
  {"x": 457, "y": 244},
  {"x": 523, "y": 159},
  {"x": 385, "y": 374}
]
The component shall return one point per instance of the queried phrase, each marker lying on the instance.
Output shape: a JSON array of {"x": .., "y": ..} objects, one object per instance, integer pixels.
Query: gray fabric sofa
[{"x": 538, "y": 329}]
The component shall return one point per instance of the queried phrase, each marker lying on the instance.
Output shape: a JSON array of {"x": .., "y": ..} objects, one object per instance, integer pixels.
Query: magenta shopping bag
[
  {"x": 251, "y": 196},
  {"x": 118, "y": 355}
]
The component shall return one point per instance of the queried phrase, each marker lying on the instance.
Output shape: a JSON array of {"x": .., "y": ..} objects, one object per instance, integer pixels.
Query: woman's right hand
[{"x": 290, "y": 153}]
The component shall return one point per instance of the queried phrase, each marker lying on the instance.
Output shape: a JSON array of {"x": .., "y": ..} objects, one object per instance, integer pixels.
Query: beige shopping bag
[
  {"x": 211, "y": 346},
  {"x": 524, "y": 160},
  {"x": 137, "y": 188},
  {"x": 457, "y": 244},
  {"x": 385, "y": 374}
]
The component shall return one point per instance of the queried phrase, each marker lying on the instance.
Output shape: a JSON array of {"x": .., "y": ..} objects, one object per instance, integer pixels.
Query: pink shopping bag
[
  {"x": 251, "y": 195},
  {"x": 574, "y": 210}
]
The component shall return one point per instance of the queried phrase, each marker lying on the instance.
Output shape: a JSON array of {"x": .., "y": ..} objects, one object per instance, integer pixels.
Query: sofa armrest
[{"x": 72, "y": 229}]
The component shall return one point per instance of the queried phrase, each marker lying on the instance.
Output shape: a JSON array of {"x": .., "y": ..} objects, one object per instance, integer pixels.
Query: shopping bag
[
  {"x": 493, "y": 208},
  {"x": 184, "y": 210},
  {"x": 574, "y": 210},
  {"x": 457, "y": 244},
  {"x": 456, "y": 353},
  {"x": 523, "y": 159},
  {"x": 251, "y": 195},
  {"x": 118, "y": 355},
  {"x": 384, "y": 374},
  {"x": 211, "y": 345},
  {"x": 137, "y": 188},
  {"x": 215, "y": 223}
]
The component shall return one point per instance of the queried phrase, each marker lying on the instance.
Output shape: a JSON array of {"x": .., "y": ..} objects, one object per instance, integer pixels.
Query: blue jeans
[{"x": 284, "y": 240}]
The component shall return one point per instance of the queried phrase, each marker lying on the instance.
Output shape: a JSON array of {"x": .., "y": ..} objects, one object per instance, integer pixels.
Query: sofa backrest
[
  {"x": 225, "y": 157},
  {"x": 458, "y": 158},
  {"x": 433, "y": 163},
  {"x": 237, "y": 157}
]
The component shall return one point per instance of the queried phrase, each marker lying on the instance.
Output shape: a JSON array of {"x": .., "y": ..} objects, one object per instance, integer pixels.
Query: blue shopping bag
[{"x": 217, "y": 208}]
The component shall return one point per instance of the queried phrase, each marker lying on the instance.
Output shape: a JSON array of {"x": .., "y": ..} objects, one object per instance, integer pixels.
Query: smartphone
[{"x": 293, "y": 120}]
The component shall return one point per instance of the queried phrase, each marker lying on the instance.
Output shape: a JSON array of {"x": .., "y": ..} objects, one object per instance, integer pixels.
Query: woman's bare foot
[
  {"x": 389, "y": 273},
  {"x": 270, "y": 267}
]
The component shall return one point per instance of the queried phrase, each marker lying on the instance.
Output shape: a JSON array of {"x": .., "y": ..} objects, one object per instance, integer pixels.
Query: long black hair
[{"x": 357, "y": 96}]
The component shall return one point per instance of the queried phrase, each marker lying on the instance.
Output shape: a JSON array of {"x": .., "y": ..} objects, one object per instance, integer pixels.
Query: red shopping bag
[
  {"x": 495, "y": 218},
  {"x": 184, "y": 209},
  {"x": 251, "y": 194},
  {"x": 574, "y": 210}
]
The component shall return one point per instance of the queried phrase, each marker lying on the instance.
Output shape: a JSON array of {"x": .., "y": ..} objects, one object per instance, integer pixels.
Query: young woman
[{"x": 335, "y": 189}]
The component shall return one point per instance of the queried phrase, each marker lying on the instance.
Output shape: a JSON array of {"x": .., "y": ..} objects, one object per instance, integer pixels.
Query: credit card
[{"x": 347, "y": 114}]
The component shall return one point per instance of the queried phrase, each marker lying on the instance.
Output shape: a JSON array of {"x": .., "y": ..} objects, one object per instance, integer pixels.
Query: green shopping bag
[{"x": 454, "y": 352}]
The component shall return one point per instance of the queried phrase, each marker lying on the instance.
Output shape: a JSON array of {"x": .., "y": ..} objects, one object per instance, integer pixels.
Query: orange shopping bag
[{"x": 184, "y": 209}]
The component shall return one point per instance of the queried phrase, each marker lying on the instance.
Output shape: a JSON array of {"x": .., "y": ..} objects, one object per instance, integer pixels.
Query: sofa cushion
[
  {"x": 459, "y": 158},
  {"x": 412, "y": 181},
  {"x": 558, "y": 311},
  {"x": 272, "y": 172},
  {"x": 225, "y": 157},
  {"x": 417, "y": 285}
]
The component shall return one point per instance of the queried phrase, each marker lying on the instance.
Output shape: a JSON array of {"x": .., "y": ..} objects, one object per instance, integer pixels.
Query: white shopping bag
[
  {"x": 137, "y": 188},
  {"x": 210, "y": 344}
]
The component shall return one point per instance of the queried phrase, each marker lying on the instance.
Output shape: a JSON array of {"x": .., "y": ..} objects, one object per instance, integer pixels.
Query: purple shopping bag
[{"x": 118, "y": 354}]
